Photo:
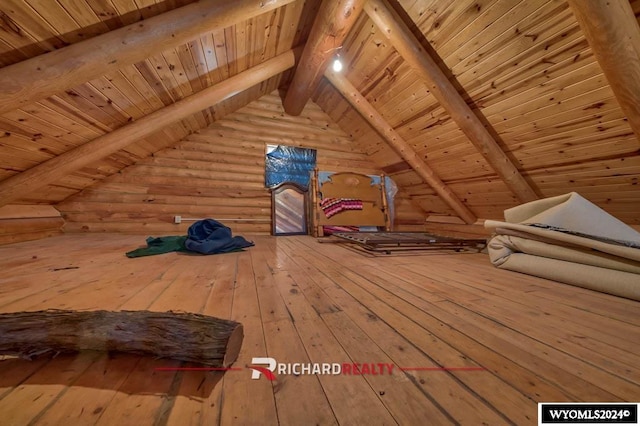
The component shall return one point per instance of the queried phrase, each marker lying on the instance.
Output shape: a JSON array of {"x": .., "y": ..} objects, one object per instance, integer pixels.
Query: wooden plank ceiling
[
  {"x": 528, "y": 73},
  {"x": 524, "y": 67},
  {"x": 47, "y": 128}
]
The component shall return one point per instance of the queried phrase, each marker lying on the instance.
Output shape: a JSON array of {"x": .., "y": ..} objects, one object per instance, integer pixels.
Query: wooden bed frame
[
  {"x": 389, "y": 242},
  {"x": 374, "y": 211}
]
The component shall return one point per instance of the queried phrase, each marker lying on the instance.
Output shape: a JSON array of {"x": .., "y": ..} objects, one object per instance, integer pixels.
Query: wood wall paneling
[
  {"x": 524, "y": 66},
  {"x": 217, "y": 172}
]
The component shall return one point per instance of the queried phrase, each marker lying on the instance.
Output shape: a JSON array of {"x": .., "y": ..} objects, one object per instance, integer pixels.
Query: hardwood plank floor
[{"x": 452, "y": 339}]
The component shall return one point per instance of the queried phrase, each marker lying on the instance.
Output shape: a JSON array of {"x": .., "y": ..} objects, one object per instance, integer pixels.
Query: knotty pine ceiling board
[
  {"x": 524, "y": 66},
  {"x": 385, "y": 80},
  {"x": 89, "y": 110},
  {"x": 520, "y": 53},
  {"x": 351, "y": 122}
]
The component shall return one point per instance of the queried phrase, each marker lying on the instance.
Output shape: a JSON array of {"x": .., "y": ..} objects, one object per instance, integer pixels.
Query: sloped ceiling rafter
[
  {"x": 62, "y": 69},
  {"x": 526, "y": 68},
  {"x": 221, "y": 45},
  {"x": 528, "y": 71},
  {"x": 332, "y": 24},
  {"x": 316, "y": 57},
  {"x": 614, "y": 36},
  {"x": 329, "y": 31},
  {"x": 447, "y": 95},
  {"x": 72, "y": 160},
  {"x": 360, "y": 103}
]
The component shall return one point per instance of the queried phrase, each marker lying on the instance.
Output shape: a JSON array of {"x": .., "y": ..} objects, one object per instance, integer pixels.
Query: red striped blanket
[{"x": 333, "y": 206}]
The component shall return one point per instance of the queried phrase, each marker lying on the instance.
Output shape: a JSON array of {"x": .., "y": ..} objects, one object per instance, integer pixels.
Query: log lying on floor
[{"x": 188, "y": 337}]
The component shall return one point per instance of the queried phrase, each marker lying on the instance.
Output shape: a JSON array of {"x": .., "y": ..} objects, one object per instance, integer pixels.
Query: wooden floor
[{"x": 500, "y": 341}]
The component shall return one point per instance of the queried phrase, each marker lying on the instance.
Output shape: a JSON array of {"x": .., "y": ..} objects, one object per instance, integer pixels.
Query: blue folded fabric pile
[{"x": 207, "y": 236}]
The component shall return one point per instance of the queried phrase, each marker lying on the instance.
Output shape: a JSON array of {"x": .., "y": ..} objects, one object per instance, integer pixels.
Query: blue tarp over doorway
[{"x": 289, "y": 164}]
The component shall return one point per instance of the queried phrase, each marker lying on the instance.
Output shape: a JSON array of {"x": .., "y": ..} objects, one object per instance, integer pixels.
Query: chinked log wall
[{"x": 217, "y": 173}]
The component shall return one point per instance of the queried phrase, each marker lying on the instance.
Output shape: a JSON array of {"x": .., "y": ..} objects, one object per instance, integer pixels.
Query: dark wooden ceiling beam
[
  {"x": 57, "y": 167},
  {"x": 332, "y": 24},
  {"x": 42, "y": 76},
  {"x": 613, "y": 33},
  {"x": 392, "y": 26},
  {"x": 402, "y": 147}
]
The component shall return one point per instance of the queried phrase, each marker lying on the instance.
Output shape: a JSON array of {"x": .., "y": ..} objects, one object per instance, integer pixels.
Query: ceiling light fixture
[{"x": 337, "y": 64}]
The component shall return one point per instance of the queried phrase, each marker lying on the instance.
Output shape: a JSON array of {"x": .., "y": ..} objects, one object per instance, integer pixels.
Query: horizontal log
[
  {"x": 304, "y": 136},
  {"x": 18, "y": 211},
  {"x": 159, "y": 161},
  {"x": 114, "y": 211},
  {"x": 328, "y": 154},
  {"x": 289, "y": 124},
  {"x": 49, "y": 193},
  {"x": 188, "y": 181},
  {"x": 235, "y": 193},
  {"x": 453, "y": 230},
  {"x": 16, "y": 226},
  {"x": 215, "y": 160},
  {"x": 106, "y": 217},
  {"x": 412, "y": 217},
  {"x": 158, "y": 229},
  {"x": 165, "y": 219},
  {"x": 444, "y": 219},
  {"x": 190, "y": 147},
  {"x": 408, "y": 227},
  {"x": 228, "y": 136},
  {"x": 187, "y": 337},
  {"x": 176, "y": 198},
  {"x": 28, "y": 236},
  {"x": 177, "y": 173},
  {"x": 316, "y": 121}
]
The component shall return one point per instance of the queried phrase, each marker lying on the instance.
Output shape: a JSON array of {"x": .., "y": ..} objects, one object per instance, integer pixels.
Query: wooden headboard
[{"x": 355, "y": 186}]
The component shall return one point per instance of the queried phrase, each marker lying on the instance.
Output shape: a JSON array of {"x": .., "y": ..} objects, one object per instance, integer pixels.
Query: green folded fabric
[{"x": 160, "y": 245}]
